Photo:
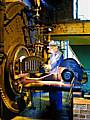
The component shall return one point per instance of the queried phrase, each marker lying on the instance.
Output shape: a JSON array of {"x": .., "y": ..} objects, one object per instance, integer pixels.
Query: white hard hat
[{"x": 54, "y": 43}]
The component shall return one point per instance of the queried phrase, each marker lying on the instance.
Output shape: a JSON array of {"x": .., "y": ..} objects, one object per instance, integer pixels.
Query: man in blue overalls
[{"x": 56, "y": 58}]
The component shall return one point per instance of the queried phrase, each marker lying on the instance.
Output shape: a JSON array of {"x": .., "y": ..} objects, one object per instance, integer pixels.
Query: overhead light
[{"x": 49, "y": 29}]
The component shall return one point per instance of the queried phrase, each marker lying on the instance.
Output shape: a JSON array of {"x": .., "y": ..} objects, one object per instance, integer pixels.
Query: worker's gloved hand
[{"x": 47, "y": 67}]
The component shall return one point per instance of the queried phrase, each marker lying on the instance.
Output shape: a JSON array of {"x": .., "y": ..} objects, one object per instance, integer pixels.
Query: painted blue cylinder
[{"x": 72, "y": 65}]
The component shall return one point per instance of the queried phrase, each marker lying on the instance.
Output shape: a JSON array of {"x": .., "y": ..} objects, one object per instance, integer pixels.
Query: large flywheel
[
  {"x": 11, "y": 85},
  {"x": 16, "y": 38},
  {"x": 19, "y": 37}
]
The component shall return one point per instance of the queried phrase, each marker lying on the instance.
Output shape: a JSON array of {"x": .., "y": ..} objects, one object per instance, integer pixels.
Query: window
[{"x": 82, "y": 9}]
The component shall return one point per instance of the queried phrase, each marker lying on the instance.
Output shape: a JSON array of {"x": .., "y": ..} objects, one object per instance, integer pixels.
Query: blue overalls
[{"x": 55, "y": 96}]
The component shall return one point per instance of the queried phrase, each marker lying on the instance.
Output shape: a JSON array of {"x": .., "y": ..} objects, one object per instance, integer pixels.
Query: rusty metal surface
[
  {"x": 72, "y": 27},
  {"x": 13, "y": 42}
]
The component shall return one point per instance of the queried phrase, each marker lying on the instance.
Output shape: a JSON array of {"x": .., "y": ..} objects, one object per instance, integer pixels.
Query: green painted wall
[
  {"x": 83, "y": 53},
  {"x": 73, "y": 39}
]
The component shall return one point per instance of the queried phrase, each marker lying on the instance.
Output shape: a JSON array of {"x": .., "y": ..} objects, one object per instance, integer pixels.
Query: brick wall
[{"x": 81, "y": 109}]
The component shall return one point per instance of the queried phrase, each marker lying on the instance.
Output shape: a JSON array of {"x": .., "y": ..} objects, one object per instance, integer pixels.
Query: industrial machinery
[
  {"x": 20, "y": 56},
  {"x": 14, "y": 44}
]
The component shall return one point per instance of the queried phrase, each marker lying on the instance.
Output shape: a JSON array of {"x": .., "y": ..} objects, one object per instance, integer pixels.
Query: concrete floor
[{"x": 41, "y": 109}]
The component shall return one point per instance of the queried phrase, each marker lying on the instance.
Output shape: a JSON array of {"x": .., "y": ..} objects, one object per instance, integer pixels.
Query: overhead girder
[
  {"x": 77, "y": 32},
  {"x": 72, "y": 27}
]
